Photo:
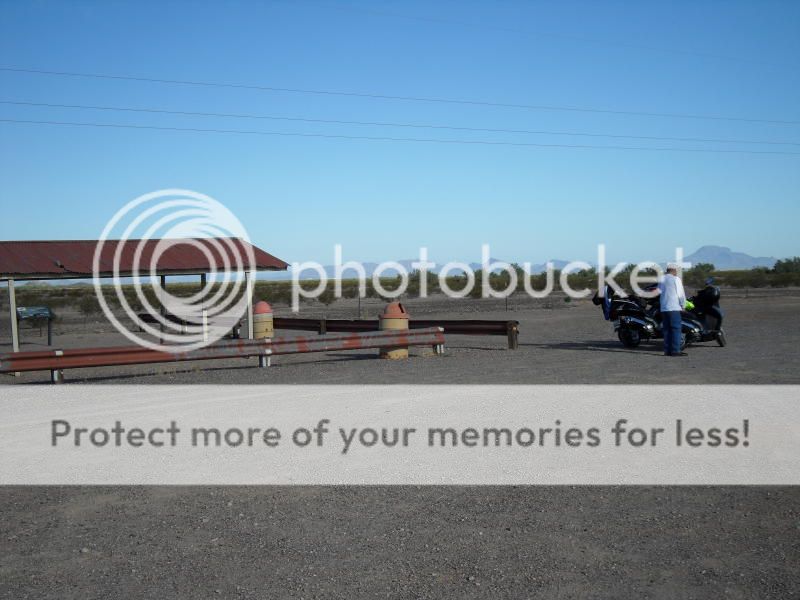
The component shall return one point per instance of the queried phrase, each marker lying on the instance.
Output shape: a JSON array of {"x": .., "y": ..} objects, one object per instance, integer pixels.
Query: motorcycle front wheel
[{"x": 629, "y": 338}]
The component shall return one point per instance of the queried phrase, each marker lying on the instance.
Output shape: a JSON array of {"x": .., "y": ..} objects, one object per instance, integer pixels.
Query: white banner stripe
[{"x": 475, "y": 435}]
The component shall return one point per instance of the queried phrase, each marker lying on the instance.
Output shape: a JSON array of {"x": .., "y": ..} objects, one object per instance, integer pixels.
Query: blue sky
[{"x": 298, "y": 196}]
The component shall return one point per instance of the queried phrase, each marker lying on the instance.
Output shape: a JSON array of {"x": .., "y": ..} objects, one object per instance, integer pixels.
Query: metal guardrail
[
  {"x": 56, "y": 361},
  {"x": 187, "y": 325},
  {"x": 451, "y": 327}
]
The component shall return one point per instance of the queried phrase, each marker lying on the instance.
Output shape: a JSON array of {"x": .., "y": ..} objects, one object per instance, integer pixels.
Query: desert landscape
[
  {"x": 559, "y": 342},
  {"x": 316, "y": 300}
]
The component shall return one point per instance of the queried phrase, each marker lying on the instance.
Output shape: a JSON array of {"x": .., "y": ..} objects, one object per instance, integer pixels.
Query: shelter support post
[
  {"x": 162, "y": 296},
  {"x": 203, "y": 313},
  {"x": 12, "y": 309},
  {"x": 248, "y": 279}
]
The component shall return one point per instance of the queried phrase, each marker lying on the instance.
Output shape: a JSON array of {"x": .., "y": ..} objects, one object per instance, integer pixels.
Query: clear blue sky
[{"x": 380, "y": 199}]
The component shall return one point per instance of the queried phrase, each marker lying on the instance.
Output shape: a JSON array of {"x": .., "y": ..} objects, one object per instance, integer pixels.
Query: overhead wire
[
  {"x": 406, "y": 98},
  {"x": 392, "y": 139},
  {"x": 389, "y": 124}
]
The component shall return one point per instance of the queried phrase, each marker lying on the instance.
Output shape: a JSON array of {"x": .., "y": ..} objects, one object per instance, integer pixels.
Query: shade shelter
[{"x": 73, "y": 259}]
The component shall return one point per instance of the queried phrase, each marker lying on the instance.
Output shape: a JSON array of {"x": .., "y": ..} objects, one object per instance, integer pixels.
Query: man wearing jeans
[{"x": 672, "y": 299}]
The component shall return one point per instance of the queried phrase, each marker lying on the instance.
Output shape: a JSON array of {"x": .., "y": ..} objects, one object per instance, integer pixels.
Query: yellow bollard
[
  {"x": 394, "y": 317},
  {"x": 263, "y": 324}
]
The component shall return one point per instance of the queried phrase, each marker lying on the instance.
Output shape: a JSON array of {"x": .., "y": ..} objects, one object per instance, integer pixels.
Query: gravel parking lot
[
  {"x": 429, "y": 542},
  {"x": 559, "y": 343}
]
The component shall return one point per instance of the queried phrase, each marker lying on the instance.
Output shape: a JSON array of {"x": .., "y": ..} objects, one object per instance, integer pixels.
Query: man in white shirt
[{"x": 673, "y": 299}]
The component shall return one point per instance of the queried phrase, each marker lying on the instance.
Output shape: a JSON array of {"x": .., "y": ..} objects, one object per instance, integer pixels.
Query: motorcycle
[
  {"x": 704, "y": 307},
  {"x": 638, "y": 318}
]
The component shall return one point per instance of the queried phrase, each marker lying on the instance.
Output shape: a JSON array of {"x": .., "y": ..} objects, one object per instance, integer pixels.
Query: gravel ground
[
  {"x": 567, "y": 343},
  {"x": 431, "y": 542},
  {"x": 455, "y": 542}
]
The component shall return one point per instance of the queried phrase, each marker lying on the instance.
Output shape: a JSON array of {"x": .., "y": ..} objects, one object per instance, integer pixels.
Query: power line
[
  {"x": 391, "y": 139},
  {"x": 390, "y": 124},
  {"x": 375, "y": 96}
]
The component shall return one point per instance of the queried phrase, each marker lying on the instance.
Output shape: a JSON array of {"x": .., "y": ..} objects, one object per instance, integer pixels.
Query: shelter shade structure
[{"x": 74, "y": 259}]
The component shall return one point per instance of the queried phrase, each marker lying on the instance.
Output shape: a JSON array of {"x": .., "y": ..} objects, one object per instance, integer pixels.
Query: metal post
[
  {"x": 161, "y": 302},
  {"x": 12, "y": 307},
  {"x": 203, "y": 313},
  {"x": 248, "y": 278},
  {"x": 49, "y": 331},
  {"x": 513, "y": 336}
]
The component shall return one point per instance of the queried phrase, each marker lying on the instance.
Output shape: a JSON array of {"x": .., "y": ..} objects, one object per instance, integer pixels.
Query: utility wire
[
  {"x": 391, "y": 139},
  {"x": 376, "y": 96},
  {"x": 390, "y": 124}
]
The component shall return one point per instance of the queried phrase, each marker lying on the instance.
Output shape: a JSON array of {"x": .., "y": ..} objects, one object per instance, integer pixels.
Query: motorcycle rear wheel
[{"x": 629, "y": 338}]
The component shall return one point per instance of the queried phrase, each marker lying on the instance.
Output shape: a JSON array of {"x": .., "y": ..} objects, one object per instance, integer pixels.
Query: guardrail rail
[
  {"x": 510, "y": 329},
  {"x": 56, "y": 361}
]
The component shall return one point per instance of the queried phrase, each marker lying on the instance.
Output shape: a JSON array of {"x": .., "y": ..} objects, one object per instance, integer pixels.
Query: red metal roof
[{"x": 73, "y": 258}]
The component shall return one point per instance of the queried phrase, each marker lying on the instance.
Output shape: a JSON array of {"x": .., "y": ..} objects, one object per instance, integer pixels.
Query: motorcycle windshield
[{"x": 607, "y": 305}]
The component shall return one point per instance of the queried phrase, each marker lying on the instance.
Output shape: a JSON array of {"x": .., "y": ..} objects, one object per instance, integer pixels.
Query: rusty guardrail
[
  {"x": 450, "y": 326},
  {"x": 56, "y": 361}
]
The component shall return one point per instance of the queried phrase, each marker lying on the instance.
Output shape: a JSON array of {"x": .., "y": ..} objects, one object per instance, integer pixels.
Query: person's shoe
[
  {"x": 667, "y": 353},
  {"x": 680, "y": 354}
]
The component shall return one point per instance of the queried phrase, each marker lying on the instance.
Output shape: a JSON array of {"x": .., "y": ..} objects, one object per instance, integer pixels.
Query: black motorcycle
[
  {"x": 705, "y": 308},
  {"x": 637, "y": 318}
]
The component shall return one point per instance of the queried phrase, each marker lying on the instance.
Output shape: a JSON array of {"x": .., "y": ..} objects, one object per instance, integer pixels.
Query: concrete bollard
[
  {"x": 263, "y": 328},
  {"x": 263, "y": 322},
  {"x": 394, "y": 317}
]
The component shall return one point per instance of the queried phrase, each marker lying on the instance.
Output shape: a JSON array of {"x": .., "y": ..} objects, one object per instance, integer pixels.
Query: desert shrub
[
  {"x": 415, "y": 283},
  {"x": 328, "y": 295},
  {"x": 787, "y": 265},
  {"x": 697, "y": 275},
  {"x": 477, "y": 289},
  {"x": 785, "y": 279},
  {"x": 350, "y": 288},
  {"x": 88, "y": 306}
]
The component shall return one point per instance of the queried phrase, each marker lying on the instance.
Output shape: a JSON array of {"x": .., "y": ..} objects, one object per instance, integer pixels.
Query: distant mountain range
[
  {"x": 726, "y": 259},
  {"x": 721, "y": 257},
  {"x": 370, "y": 267}
]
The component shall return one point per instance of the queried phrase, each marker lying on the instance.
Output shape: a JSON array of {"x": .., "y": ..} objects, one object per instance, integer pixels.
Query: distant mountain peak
[{"x": 723, "y": 258}]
